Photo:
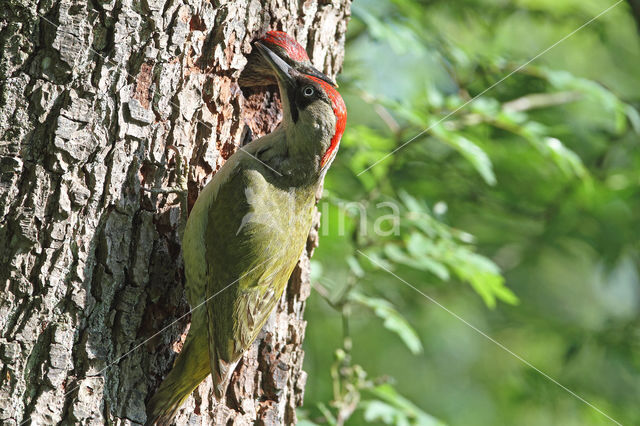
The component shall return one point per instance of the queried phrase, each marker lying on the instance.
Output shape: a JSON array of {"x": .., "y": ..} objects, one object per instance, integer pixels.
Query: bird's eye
[{"x": 308, "y": 91}]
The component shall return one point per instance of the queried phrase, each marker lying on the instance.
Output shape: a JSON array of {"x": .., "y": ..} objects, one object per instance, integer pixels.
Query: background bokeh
[{"x": 520, "y": 213}]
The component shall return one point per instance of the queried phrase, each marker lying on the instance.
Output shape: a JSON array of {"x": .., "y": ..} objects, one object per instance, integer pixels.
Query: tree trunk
[{"x": 92, "y": 307}]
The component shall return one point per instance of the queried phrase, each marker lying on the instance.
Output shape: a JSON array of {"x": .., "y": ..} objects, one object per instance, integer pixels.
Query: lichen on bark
[{"x": 91, "y": 95}]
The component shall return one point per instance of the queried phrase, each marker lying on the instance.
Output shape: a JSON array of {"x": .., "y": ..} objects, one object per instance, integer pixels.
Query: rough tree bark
[{"x": 91, "y": 95}]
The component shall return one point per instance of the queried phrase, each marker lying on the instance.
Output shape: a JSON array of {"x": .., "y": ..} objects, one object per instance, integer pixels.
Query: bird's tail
[
  {"x": 191, "y": 368},
  {"x": 222, "y": 372}
]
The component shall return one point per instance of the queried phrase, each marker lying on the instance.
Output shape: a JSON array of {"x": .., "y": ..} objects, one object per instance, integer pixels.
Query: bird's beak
[{"x": 280, "y": 67}]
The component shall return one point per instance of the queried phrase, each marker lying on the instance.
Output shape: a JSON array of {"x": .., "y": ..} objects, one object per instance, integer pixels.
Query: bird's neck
[
  {"x": 290, "y": 157},
  {"x": 305, "y": 147}
]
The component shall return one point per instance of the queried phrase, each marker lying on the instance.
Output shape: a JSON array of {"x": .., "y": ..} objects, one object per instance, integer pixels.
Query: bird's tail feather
[
  {"x": 221, "y": 377},
  {"x": 221, "y": 369},
  {"x": 191, "y": 368}
]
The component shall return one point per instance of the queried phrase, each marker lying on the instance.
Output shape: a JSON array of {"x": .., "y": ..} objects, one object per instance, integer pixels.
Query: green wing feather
[{"x": 255, "y": 234}]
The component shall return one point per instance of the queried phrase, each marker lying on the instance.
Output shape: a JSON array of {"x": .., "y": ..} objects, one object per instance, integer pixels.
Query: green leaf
[
  {"x": 390, "y": 405},
  {"x": 437, "y": 248},
  {"x": 412, "y": 203},
  {"x": 424, "y": 251},
  {"x": 634, "y": 117},
  {"x": 483, "y": 275},
  {"x": 355, "y": 267},
  {"x": 486, "y": 106},
  {"x": 386, "y": 413},
  {"x": 379, "y": 261},
  {"x": 469, "y": 150},
  {"x": 599, "y": 94},
  {"x": 423, "y": 263},
  {"x": 393, "y": 321},
  {"x": 567, "y": 160}
]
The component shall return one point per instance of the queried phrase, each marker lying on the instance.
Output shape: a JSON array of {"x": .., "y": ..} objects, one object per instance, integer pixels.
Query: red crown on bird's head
[
  {"x": 340, "y": 110},
  {"x": 288, "y": 43}
]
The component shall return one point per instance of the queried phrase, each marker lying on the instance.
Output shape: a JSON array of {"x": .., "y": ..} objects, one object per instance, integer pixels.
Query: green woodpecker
[
  {"x": 247, "y": 231},
  {"x": 258, "y": 71}
]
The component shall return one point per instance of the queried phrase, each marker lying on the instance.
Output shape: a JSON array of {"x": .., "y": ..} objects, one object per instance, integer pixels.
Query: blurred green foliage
[{"x": 518, "y": 211}]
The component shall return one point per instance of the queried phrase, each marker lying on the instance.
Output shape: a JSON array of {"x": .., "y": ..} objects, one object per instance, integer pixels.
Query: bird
[
  {"x": 246, "y": 232},
  {"x": 258, "y": 72}
]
